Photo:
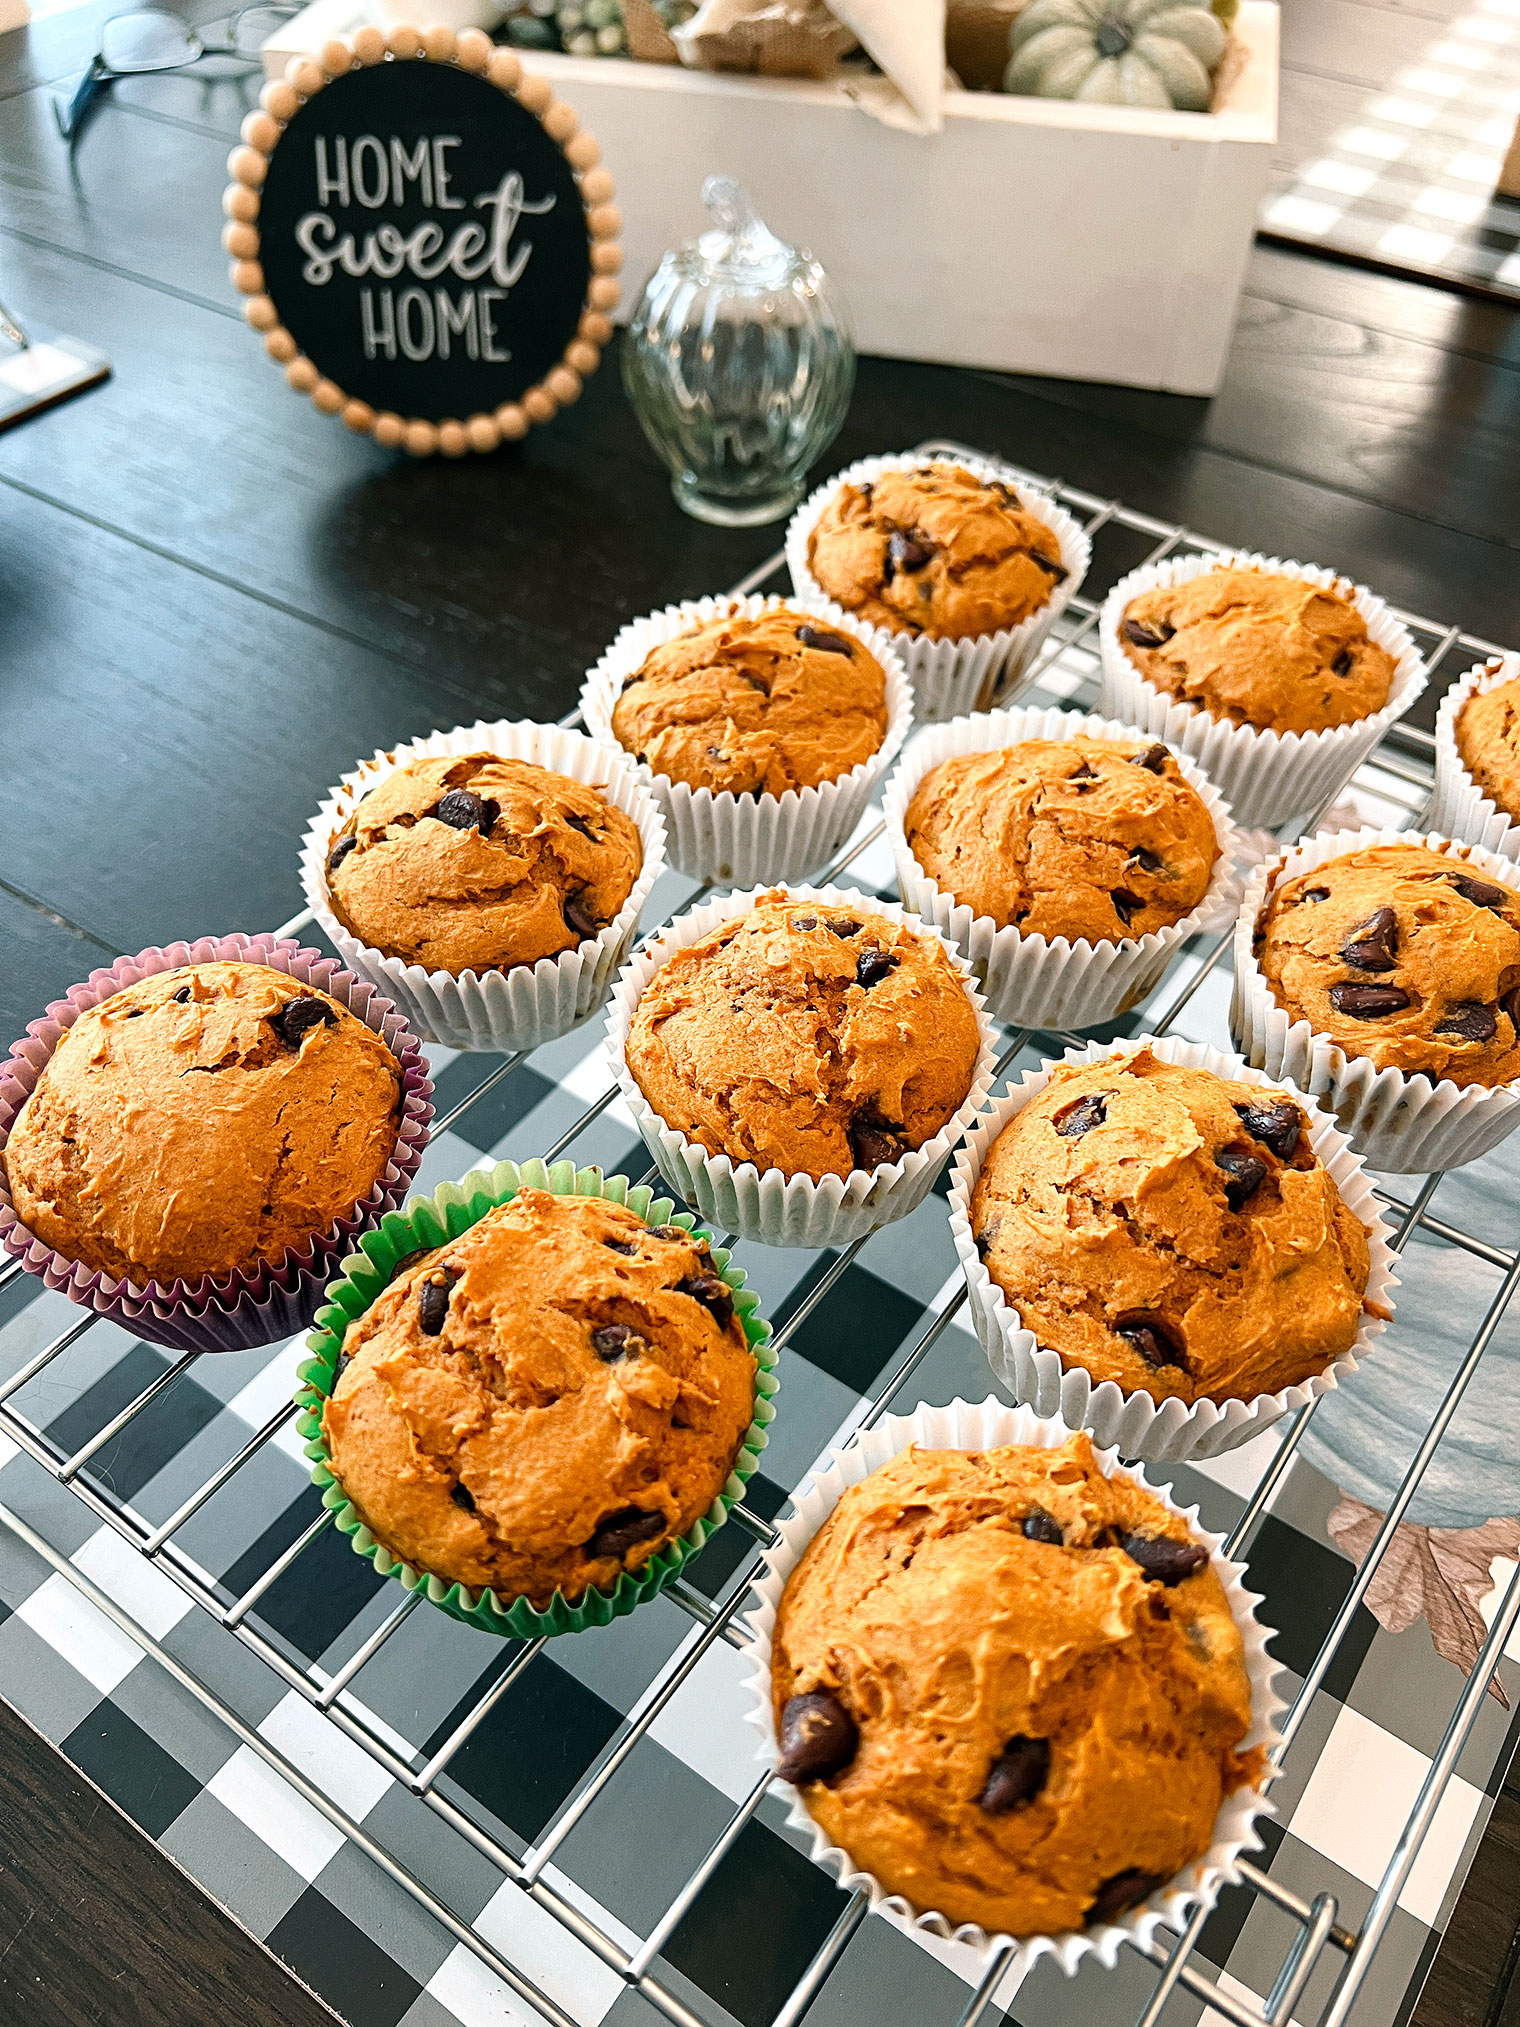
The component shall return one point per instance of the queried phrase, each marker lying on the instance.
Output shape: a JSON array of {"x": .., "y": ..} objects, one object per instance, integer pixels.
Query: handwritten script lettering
[{"x": 417, "y": 323}]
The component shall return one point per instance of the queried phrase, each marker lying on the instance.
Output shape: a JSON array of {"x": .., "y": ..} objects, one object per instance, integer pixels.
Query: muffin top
[
  {"x": 807, "y": 1037},
  {"x": 1402, "y": 955},
  {"x": 545, "y": 1401},
  {"x": 1171, "y": 1231},
  {"x": 203, "y": 1120},
  {"x": 475, "y": 863},
  {"x": 1488, "y": 739},
  {"x": 935, "y": 551},
  {"x": 755, "y": 706},
  {"x": 1259, "y": 649},
  {"x": 1092, "y": 838},
  {"x": 1010, "y": 1687}
]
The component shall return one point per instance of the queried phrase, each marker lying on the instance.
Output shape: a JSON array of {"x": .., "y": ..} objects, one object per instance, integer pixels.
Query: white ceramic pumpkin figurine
[{"x": 1116, "y": 52}]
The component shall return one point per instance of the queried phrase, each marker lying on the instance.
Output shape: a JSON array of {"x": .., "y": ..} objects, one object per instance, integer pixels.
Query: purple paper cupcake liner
[{"x": 237, "y": 1310}]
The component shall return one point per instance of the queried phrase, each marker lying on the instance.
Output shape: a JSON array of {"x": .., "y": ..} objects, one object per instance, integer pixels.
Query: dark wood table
[{"x": 211, "y": 601}]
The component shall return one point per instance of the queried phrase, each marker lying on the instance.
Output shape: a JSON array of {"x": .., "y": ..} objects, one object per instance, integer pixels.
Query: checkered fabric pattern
[
  {"x": 1410, "y": 181},
  {"x": 364, "y": 1944}
]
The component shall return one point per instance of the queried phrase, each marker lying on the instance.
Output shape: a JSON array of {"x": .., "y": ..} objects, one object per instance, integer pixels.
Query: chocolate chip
[
  {"x": 667, "y": 1232},
  {"x": 137, "y": 1013},
  {"x": 489, "y": 812},
  {"x": 804, "y": 922},
  {"x": 1081, "y": 1116},
  {"x": 1470, "y": 1020},
  {"x": 1141, "y": 634},
  {"x": 340, "y": 851},
  {"x": 461, "y": 809},
  {"x": 873, "y": 966},
  {"x": 1040, "y": 1526},
  {"x": 1083, "y": 773},
  {"x": 627, "y": 1246},
  {"x": 296, "y": 1016},
  {"x": 873, "y": 1143},
  {"x": 610, "y": 1342},
  {"x": 1246, "y": 1172},
  {"x": 578, "y": 919},
  {"x": 1368, "y": 1002},
  {"x": 579, "y": 823},
  {"x": 1125, "y": 1890},
  {"x": 981, "y": 1240},
  {"x": 182, "y": 998},
  {"x": 904, "y": 553},
  {"x": 1126, "y": 904},
  {"x": 1374, "y": 945},
  {"x": 1275, "y": 1126},
  {"x": 1313, "y": 894},
  {"x": 624, "y": 1530},
  {"x": 1151, "y": 1340},
  {"x": 1479, "y": 892},
  {"x": 433, "y": 1301},
  {"x": 1341, "y": 666},
  {"x": 843, "y": 928},
  {"x": 463, "y": 1496},
  {"x": 1160, "y": 1557},
  {"x": 1051, "y": 565},
  {"x": 1146, "y": 861},
  {"x": 818, "y": 1737},
  {"x": 825, "y": 642},
  {"x": 1153, "y": 759},
  {"x": 713, "y": 1294},
  {"x": 1017, "y": 1776}
]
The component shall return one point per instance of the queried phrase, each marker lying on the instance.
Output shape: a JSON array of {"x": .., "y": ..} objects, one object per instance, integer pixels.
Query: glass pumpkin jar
[{"x": 739, "y": 363}]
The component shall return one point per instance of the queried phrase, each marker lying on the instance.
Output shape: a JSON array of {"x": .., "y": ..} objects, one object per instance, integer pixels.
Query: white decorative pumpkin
[{"x": 1116, "y": 52}]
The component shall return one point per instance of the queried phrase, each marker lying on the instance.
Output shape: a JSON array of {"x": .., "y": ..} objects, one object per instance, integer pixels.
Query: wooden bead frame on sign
[{"x": 471, "y": 50}]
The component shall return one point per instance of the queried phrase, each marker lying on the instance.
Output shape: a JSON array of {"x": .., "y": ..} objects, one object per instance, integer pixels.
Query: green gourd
[
  {"x": 1116, "y": 52},
  {"x": 1364, "y": 1434}
]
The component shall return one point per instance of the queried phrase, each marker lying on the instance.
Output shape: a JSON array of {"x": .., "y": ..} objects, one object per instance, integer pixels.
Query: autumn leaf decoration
[{"x": 1440, "y": 1574}]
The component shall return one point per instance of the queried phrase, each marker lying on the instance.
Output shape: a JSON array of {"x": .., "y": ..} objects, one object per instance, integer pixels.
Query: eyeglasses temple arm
[{"x": 72, "y": 117}]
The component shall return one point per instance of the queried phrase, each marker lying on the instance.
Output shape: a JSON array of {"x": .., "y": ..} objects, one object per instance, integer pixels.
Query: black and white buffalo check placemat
[{"x": 361, "y": 1942}]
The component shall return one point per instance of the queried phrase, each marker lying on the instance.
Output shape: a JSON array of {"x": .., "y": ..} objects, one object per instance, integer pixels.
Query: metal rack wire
[{"x": 1401, "y": 770}]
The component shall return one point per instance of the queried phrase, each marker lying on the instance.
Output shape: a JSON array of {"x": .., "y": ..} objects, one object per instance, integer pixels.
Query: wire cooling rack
[{"x": 1399, "y": 775}]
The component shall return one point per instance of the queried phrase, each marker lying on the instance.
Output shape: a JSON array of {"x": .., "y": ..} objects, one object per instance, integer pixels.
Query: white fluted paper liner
[
  {"x": 531, "y": 1003},
  {"x": 1408, "y": 1125},
  {"x": 1459, "y": 808},
  {"x": 745, "y": 839},
  {"x": 1038, "y": 981},
  {"x": 1168, "y": 1431},
  {"x": 985, "y": 1425},
  {"x": 775, "y": 1208},
  {"x": 951, "y": 677},
  {"x": 1267, "y": 776}
]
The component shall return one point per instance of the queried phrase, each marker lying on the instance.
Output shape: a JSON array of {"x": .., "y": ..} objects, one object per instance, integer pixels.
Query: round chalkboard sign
[{"x": 425, "y": 238}]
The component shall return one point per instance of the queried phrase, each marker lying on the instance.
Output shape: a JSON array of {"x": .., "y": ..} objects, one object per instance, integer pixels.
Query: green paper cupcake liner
[{"x": 428, "y": 1221}]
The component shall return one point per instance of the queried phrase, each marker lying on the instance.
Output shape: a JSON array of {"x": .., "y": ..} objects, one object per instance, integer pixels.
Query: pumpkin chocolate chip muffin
[
  {"x": 1171, "y": 1231},
  {"x": 935, "y": 550},
  {"x": 755, "y": 706},
  {"x": 1259, "y": 648},
  {"x": 1011, "y": 1688},
  {"x": 201, "y": 1121},
  {"x": 807, "y": 1038},
  {"x": 473, "y": 862},
  {"x": 1403, "y": 956},
  {"x": 544, "y": 1402},
  {"x": 1081, "y": 838},
  {"x": 1488, "y": 741}
]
